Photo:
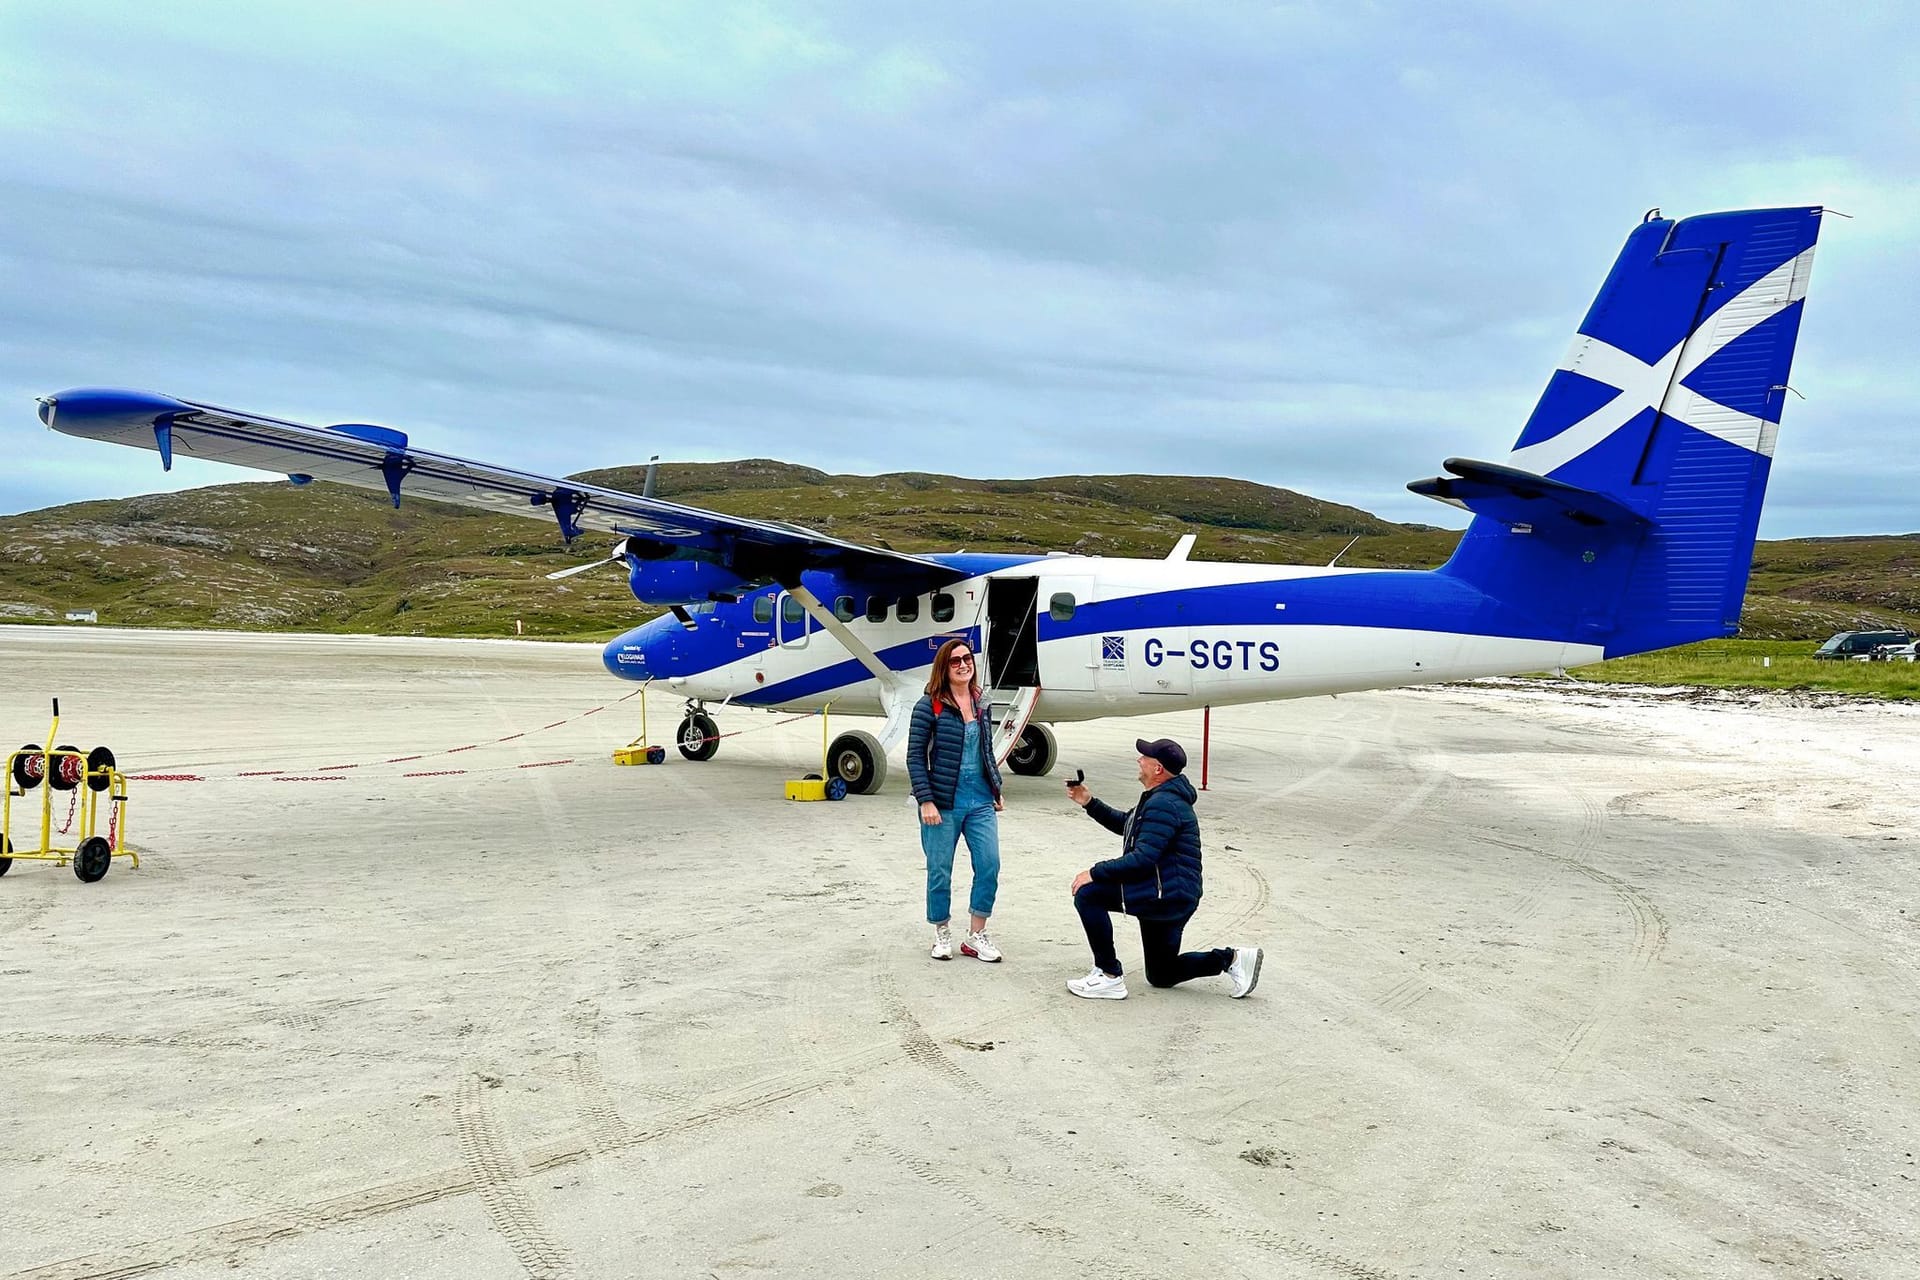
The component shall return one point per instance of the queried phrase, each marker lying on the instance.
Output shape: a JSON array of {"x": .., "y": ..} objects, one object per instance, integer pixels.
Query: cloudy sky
[{"x": 1316, "y": 245}]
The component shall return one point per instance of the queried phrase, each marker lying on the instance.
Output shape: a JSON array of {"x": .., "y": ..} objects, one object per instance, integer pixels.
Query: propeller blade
[
  {"x": 680, "y": 612},
  {"x": 582, "y": 568}
]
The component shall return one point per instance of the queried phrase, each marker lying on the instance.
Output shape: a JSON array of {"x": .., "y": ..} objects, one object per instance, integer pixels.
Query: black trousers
[{"x": 1159, "y": 938}]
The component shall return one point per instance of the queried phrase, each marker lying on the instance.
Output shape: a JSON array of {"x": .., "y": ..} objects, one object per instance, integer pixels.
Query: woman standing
[{"x": 950, "y": 759}]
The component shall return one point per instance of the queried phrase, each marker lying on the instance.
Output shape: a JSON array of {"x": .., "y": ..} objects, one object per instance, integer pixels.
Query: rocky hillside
[{"x": 328, "y": 558}]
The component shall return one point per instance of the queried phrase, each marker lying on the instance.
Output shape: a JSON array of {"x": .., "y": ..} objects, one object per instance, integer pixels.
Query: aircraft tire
[
  {"x": 698, "y": 737},
  {"x": 92, "y": 858},
  {"x": 855, "y": 758},
  {"x": 1033, "y": 755}
]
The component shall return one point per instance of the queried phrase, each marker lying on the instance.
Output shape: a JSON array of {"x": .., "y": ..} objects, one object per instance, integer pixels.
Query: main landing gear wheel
[
  {"x": 1033, "y": 755},
  {"x": 856, "y": 760},
  {"x": 92, "y": 858},
  {"x": 699, "y": 736}
]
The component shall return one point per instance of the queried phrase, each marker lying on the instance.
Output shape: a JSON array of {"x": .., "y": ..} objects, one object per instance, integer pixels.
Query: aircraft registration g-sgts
[{"x": 1622, "y": 520}]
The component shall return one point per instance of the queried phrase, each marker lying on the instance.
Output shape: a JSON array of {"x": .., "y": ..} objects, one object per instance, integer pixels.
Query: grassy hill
[{"x": 330, "y": 558}]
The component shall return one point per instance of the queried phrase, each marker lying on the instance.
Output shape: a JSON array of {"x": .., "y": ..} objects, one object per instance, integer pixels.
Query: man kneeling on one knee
[{"x": 1156, "y": 880}]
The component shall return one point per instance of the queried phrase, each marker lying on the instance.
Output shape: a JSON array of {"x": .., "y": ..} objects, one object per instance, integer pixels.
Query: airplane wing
[{"x": 381, "y": 458}]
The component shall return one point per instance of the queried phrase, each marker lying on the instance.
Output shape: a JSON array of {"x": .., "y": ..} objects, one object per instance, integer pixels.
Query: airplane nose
[{"x": 626, "y": 657}]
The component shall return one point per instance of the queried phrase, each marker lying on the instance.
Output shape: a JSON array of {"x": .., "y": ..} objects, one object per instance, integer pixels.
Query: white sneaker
[
  {"x": 1098, "y": 986},
  {"x": 980, "y": 947},
  {"x": 942, "y": 942},
  {"x": 1244, "y": 971}
]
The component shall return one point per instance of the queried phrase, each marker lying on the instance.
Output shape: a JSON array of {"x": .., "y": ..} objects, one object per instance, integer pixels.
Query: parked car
[
  {"x": 1858, "y": 646},
  {"x": 1908, "y": 652}
]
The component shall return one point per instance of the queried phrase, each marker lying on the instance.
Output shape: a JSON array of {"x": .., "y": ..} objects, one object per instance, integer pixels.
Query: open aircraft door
[
  {"x": 1069, "y": 657},
  {"x": 1008, "y": 635}
]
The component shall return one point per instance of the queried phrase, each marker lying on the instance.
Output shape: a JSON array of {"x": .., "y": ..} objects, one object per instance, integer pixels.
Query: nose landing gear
[{"x": 698, "y": 736}]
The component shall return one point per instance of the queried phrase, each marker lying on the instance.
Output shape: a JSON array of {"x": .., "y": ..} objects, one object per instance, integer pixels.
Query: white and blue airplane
[{"x": 1623, "y": 520}]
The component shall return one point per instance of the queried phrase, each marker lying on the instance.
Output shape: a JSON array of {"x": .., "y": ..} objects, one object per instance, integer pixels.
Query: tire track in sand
[
  {"x": 497, "y": 1175},
  {"x": 923, "y": 1051}
]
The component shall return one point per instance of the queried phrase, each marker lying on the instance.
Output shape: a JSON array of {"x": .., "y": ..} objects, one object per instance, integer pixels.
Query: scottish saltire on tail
[{"x": 1622, "y": 519}]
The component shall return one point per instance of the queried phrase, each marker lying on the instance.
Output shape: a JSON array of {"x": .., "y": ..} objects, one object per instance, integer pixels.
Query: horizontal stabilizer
[{"x": 1516, "y": 497}]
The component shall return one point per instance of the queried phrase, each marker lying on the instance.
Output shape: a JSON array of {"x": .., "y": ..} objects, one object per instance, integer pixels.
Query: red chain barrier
[
  {"x": 330, "y": 772},
  {"x": 73, "y": 807}
]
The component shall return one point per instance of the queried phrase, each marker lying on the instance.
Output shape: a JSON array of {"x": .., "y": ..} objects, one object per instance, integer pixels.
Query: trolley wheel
[
  {"x": 856, "y": 759},
  {"x": 6, "y": 864},
  {"x": 92, "y": 858},
  {"x": 29, "y": 767},
  {"x": 656, "y": 755},
  {"x": 836, "y": 788},
  {"x": 68, "y": 766},
  {"x": 100, "y": 764},
  {"x": 699, "y": 737}
]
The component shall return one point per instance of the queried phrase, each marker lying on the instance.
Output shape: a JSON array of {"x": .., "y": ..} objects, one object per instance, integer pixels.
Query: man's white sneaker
[
  {"x": 942, "y": 942},
  {"x": 980, "y": 946},
  {"x": 1099, "y": 986},
  {"x": 1244, "y": 971}
]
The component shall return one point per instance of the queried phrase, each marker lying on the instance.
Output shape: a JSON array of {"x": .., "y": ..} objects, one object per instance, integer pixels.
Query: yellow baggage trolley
[{"x": 85, "y": 777}]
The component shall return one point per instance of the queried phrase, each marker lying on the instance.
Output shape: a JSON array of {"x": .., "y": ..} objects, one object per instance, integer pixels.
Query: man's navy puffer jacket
[
  {"x": 934, "y": 747},
  {"x": 1158, "y": 869}
]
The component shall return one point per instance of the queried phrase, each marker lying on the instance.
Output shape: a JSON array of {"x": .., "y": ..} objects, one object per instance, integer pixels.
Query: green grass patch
[{"x": 1758, "y": 664}]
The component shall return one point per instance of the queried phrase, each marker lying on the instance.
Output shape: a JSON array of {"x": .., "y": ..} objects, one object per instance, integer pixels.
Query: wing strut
[{"x": 899, "y": 695}]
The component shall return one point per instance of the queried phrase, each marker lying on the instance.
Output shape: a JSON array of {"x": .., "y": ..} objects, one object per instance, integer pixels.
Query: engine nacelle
[{"x": 682, "y": 582}]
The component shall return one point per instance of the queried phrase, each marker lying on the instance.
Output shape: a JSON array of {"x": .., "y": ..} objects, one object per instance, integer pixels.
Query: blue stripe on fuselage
[
  {"x": 1410, "y": 599},
  {"x": 1398, "y": 599}
]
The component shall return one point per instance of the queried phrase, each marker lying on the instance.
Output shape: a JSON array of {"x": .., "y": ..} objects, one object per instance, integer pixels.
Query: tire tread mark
[
  {"x": 497, "y": 1175},
  {"x": 1266, "y": 1239}
]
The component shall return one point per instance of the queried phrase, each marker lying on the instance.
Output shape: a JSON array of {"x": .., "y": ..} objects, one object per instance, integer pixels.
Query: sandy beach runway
[{"x": 1557, "y": 985}]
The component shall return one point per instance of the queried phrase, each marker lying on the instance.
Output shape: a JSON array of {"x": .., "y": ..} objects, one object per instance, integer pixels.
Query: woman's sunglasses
[{"x": 960, "y": 660}]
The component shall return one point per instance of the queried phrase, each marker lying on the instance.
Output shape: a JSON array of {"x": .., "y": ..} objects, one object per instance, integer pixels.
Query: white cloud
[{"x": 1319, "y": 246}]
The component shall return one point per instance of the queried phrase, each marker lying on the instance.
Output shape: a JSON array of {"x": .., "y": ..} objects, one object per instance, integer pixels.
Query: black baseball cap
[{"x": 1171, "y": 755}]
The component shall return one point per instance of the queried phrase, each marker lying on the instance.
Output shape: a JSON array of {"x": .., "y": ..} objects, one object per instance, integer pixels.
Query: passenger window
[
  {"x": 876, "y": 608},
  {"x": 791, "y": 609},
  {"x": 843, "y": 608},
  {"x": 763, "y": 608},
  {"x": 909, "y": 610},
  {"x": 942, "y": 607},
  {"x": 1060, "y": 607}
]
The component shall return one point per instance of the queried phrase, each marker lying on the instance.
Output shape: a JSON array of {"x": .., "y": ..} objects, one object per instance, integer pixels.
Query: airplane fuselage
[{"x": 1103, "y": 637}]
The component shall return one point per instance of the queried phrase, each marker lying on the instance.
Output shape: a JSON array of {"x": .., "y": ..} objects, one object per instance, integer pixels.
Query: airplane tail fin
[{"x": 1625, "y": 515}]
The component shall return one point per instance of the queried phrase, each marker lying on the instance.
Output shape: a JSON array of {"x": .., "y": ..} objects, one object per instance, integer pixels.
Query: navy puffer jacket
[
  {"x": 1158, "y": 869},
  {"x": 934, "y": 746}
]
